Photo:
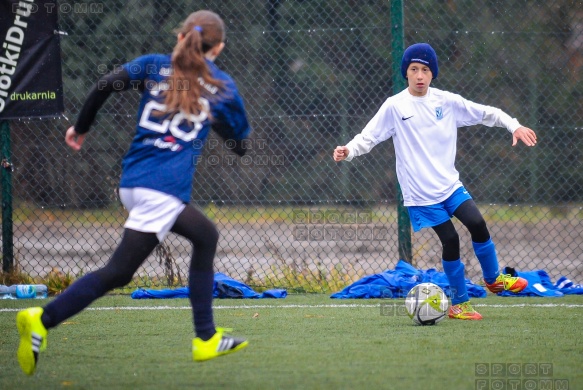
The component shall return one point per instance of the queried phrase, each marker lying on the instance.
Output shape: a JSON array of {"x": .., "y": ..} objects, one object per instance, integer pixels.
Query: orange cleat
[{"x": 505, "y": 282}]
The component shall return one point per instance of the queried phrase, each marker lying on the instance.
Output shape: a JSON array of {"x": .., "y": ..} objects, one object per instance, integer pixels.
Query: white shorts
[{"x": 150, "y": 211}]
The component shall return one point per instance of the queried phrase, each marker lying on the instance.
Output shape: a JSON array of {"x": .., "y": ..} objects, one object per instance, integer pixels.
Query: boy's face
[{"x": 419, "y": 77}]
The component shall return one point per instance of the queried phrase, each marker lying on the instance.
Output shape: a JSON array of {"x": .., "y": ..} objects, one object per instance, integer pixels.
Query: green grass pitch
[{"x": 305, "y": 342}]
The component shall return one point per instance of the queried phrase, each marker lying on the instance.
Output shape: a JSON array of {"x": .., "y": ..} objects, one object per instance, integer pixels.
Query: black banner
[{"x": 30, "y": 59}]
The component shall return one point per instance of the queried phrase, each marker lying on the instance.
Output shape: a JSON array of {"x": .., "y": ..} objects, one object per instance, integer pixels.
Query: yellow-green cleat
[
  {"x": 33, "y": 338},
  {"x": 218, "y": 345},
  {"x": 464, "y": 311}
]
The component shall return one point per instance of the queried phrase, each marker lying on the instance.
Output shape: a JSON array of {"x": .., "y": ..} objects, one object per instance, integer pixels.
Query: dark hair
[{"x": 201, "y": 31}]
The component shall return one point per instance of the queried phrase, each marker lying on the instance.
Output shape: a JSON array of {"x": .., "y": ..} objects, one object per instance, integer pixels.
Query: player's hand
[
  {"x": 340, "y": 153},
  {"x": 74, "y": 140},
  {"x": 524, "y": 134}
]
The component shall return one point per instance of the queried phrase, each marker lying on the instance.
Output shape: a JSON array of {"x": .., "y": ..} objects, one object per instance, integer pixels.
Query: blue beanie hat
[{"x": 422, "y": 53}]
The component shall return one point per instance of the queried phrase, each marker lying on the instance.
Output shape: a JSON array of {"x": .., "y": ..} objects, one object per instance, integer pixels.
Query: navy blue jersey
[{"x": 163, "y": 153}]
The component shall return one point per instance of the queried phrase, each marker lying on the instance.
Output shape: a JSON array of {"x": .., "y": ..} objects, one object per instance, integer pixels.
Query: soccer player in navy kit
[
  {"x": 183, "y": 95},
  {"x": 423, "y": 122}
]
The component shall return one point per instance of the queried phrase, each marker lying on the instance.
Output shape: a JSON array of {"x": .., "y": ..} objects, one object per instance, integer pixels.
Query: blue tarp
[
  {"x": 224, "y": 287},
  {"x": 540, "y": 285},
  {"x": 566, "y": 286},
  {"x": 397, "y": 283}
]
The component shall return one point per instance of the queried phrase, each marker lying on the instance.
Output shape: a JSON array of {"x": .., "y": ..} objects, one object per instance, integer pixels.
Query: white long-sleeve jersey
[{"x": 424, "y": 131}]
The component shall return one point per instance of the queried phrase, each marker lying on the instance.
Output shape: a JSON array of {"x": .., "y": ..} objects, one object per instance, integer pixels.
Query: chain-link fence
[{"x": 312, "y": 73}]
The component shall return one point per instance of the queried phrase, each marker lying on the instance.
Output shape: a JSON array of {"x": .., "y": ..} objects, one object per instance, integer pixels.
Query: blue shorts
[{"x": 436, "y": 214}]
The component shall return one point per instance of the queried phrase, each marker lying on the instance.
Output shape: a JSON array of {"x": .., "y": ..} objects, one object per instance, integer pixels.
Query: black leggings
[
  {"x": 470, "y": 216},
  {"x": 134, "y": 248}
]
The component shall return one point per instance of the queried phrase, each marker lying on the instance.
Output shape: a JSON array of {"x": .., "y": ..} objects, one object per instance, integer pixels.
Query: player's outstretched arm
[
  {"x": 118, "y": 80},
  {"x": 340, "y": 153},
  {"x": 526, "y": 135}
]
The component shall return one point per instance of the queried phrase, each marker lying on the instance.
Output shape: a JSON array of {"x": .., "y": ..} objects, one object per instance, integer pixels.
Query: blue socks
[
  {"x": 454, "y": 270},
  {"x": 486, "y": 254}
]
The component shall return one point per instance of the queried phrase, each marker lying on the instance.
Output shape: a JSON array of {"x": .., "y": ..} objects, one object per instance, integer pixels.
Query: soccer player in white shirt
[{"x": 423, "y": 122}]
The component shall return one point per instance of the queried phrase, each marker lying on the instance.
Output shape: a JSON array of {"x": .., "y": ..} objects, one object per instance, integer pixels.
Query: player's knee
[
  {"x": 206, "y": 236},
  {"x": 213, "y": 234},
  {"x": 451, "y": 241},
  {"x": 120, "y": 279},
  {"x": 478, "y": 228},
  {"x": 114, "y": 278}
]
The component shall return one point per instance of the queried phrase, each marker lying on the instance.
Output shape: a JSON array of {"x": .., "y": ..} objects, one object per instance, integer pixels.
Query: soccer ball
[{"x": 426, "y": 304}]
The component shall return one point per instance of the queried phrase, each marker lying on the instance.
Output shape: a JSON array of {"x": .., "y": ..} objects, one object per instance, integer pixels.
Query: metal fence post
[
  {"x": 6, "y": 180},
  {"x": 397, "y": 47}
]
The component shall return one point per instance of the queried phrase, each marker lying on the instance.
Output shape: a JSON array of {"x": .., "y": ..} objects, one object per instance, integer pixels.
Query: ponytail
[{"x": 201, "y": 31}]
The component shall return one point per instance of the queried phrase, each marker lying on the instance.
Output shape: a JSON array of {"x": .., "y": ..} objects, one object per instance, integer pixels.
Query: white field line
[{"x": 220, "y": 307}]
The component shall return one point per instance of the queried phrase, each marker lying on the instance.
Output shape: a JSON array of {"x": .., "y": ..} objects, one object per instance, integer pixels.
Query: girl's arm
[{"x": 118, "y": 80}]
